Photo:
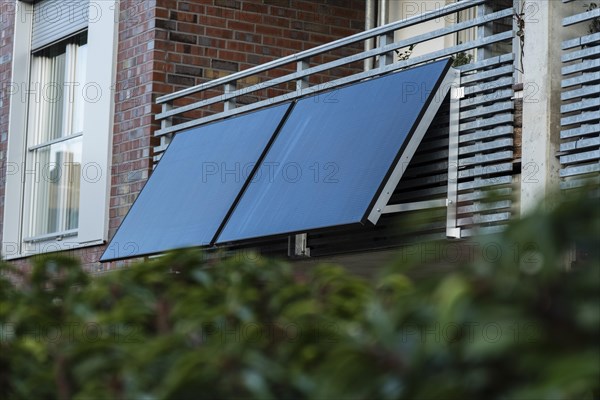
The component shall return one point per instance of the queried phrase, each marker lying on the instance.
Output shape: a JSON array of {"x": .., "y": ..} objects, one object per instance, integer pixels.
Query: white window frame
[
  {"x": 394, "y": 10},
  {"x": 97, "y": 139}
]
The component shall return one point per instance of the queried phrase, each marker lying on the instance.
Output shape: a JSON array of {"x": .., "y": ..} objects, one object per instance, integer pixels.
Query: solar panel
[
  {"x": 194, "y": 185},
  {"x": 333, "y": 155}
]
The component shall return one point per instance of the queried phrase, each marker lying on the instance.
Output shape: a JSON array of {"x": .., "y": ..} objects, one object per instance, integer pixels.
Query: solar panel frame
[{"x": 446, "y": 65}]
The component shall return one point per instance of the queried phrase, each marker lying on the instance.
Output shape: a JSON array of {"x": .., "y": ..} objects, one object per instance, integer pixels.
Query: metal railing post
[{"x": 229, "y": 104}]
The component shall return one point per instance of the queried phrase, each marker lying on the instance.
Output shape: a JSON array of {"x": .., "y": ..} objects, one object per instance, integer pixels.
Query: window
[
  {"x": 60, "y": 127},
  {"x": 54, "y": 131},
  {"x": 402, "y": 9}
]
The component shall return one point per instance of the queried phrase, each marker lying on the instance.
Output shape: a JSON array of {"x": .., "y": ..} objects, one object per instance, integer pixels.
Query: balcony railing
[{"x": 485, "y": 127}]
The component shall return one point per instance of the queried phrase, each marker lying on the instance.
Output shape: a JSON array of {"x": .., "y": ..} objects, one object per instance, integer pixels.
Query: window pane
[
  {"x": 57, "y": 99},
  {"x": 52, "y": 100},
  {"x": 55, "y": 188}
]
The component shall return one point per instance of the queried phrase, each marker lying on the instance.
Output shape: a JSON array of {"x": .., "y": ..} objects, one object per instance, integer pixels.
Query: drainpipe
[{"x": 370, "y": 20}]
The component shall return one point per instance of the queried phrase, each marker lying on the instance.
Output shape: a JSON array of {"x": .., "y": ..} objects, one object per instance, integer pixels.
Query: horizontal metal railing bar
[
  {"x": 582, "y": 17},
  {"x": 51, "y": 236},
  {"x": 359, "y": 37},
  {"x": 337, "y": 63},
  {"x": 55, "y": 141},
  {"x": 342, "y": 81}
]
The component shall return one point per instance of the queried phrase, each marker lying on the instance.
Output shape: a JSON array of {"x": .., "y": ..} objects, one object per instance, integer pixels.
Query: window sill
[{"x": 48, "y": 247}]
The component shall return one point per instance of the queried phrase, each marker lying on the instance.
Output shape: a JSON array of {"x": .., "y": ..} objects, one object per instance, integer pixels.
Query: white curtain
[{"x": 56, "y": 112}]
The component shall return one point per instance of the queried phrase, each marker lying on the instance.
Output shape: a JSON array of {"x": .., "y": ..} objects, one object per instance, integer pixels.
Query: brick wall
[
  {"x": 132, "y": 136},
  {"x": 167, "y": 45},
  {"x": 7, "y": 10},
  {"x": 200, "y": 41}
]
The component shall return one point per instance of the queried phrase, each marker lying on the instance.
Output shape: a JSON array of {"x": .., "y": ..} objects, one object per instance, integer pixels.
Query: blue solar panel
[
  {"x": 333, "y": 154},
  {"x": 195, "y": 185}
]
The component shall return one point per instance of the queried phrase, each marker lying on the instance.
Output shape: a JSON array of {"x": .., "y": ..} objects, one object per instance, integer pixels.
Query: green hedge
[{"x": 508, "y": 323}]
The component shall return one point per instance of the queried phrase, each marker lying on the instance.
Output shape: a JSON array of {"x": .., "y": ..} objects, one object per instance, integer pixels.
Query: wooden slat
[
  {"x": 579, "y": 170},
  {"x": 495, "y": 108},
  {"x": 581, "y": 67},
  {"x": 582, "y": 17},
  {"x": 577, "y": 158},
  {"x": 488, "y": 98},
  {"x": 580, "y": 144},
  {"x": 505, "y": 130},
  {"x": 479, "y": 219},
  {"x": 586, "y": 78},
  {"x": 487, "y": 122},
  {"x": 486, "y": 170},
  {"x": 579, "y": 54},
  {"x": 481, "y": 147},
  {"x": 581, "y": 92},
  {"x": 486, "y": 158},
  {"x": 585, "y": 130},
  {"x": 581, "y": 41},
  {"x": 580, "y": 105},
  {"x": 580, "y": 118}
]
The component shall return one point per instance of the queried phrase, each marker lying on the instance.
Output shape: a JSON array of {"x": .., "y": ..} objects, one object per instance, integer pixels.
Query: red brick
[
  {"x": 240, "y": 26},
  {"x": 248, "y": 17},
  {"x": 269, "y": 30}
]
